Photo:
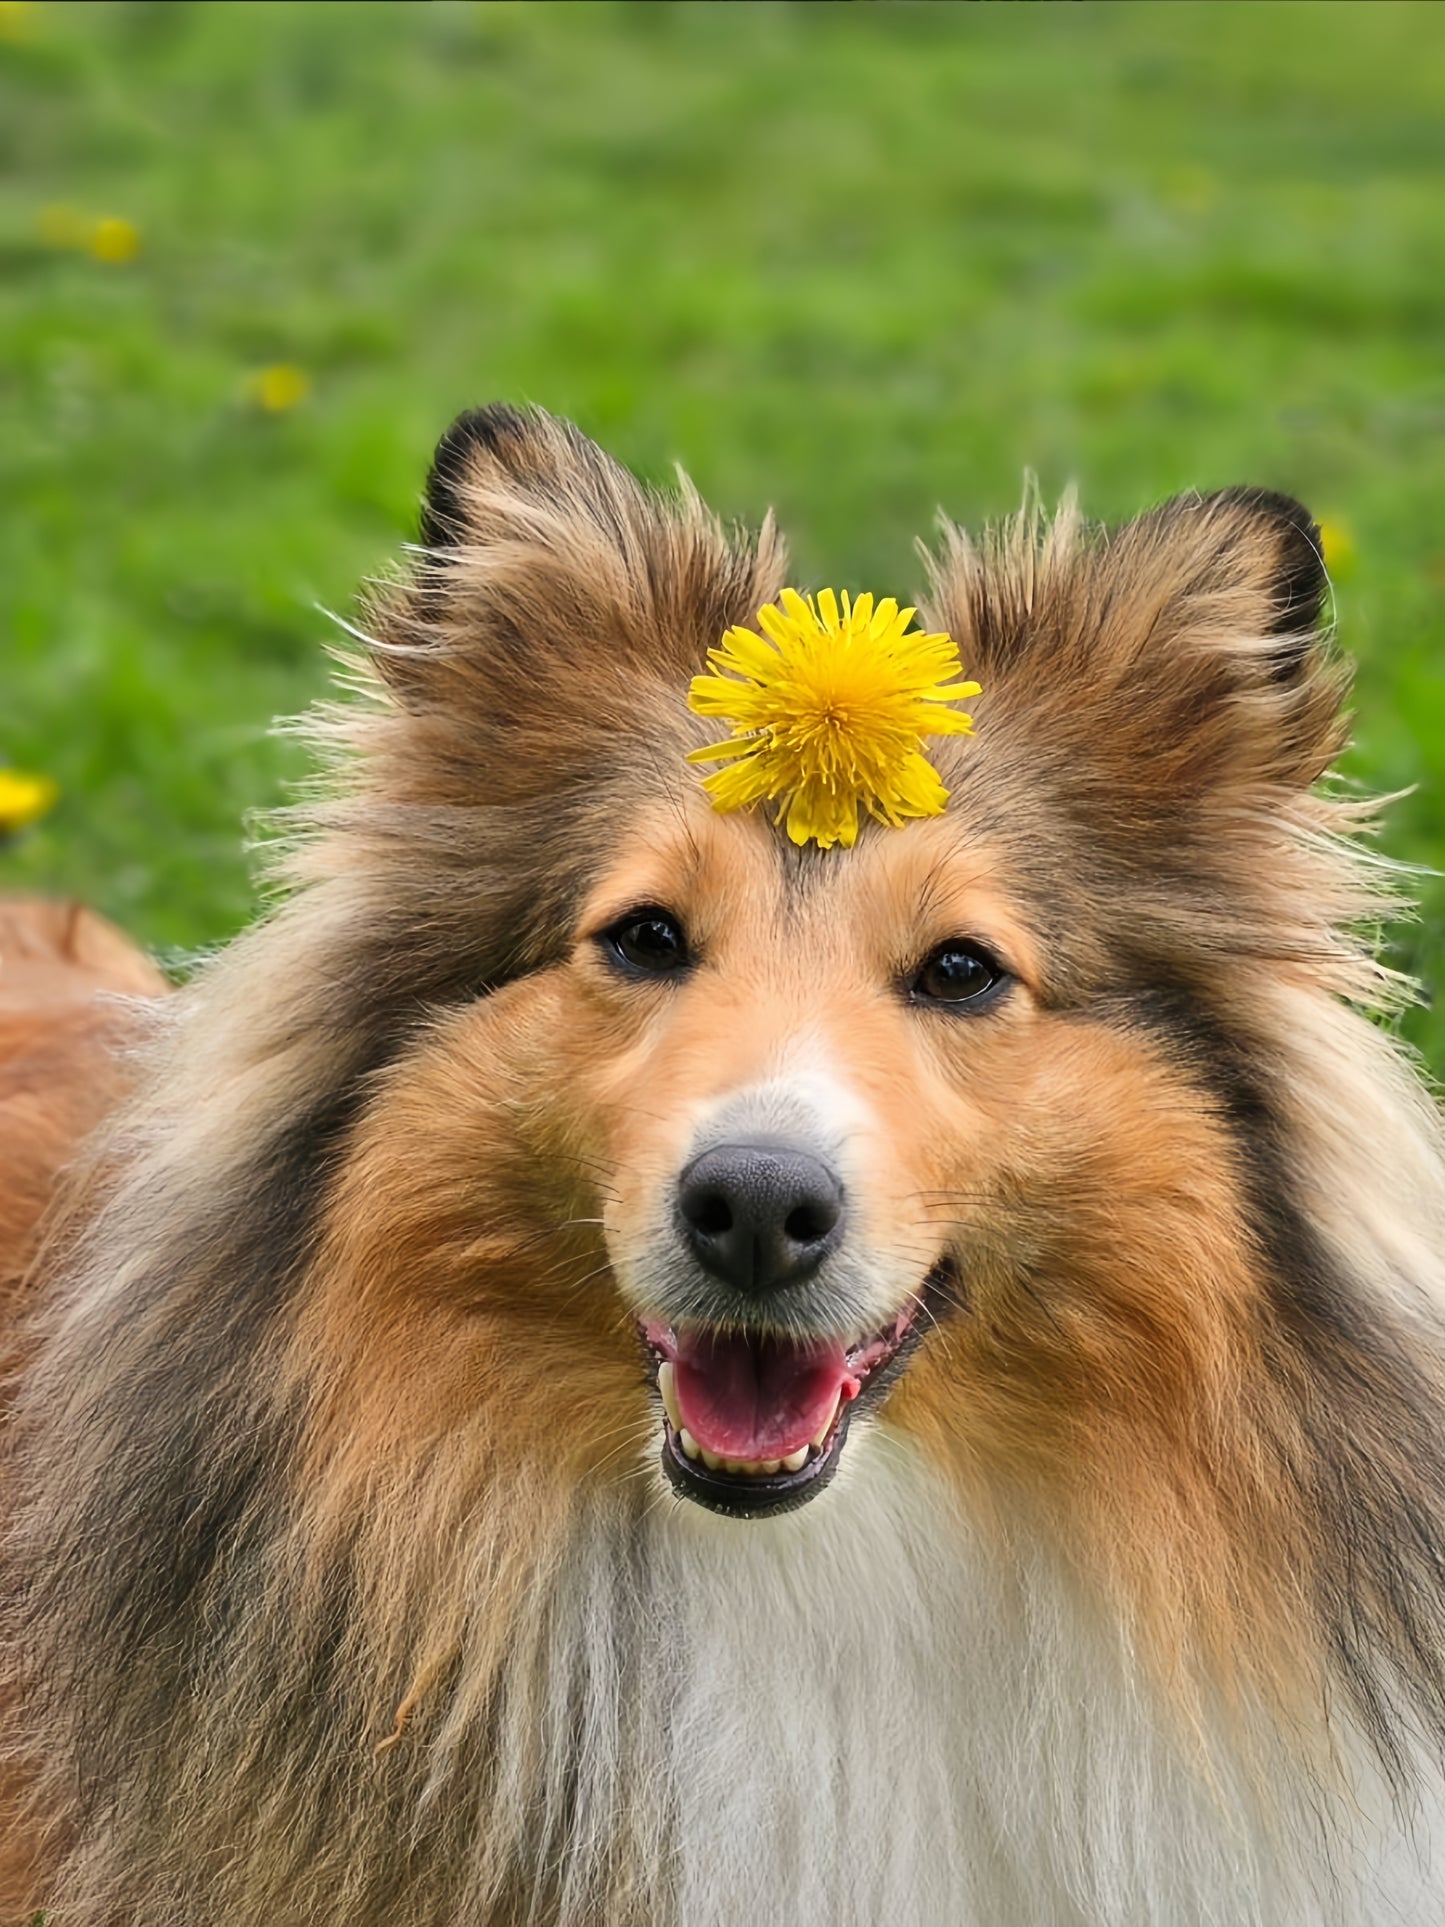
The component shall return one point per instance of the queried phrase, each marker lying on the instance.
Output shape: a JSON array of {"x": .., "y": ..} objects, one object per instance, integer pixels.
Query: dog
[{"x": 618, "y": 1364}]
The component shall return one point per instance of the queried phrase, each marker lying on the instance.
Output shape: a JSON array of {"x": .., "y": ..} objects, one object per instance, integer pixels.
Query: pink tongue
[{"x": 757, "y": 1398}]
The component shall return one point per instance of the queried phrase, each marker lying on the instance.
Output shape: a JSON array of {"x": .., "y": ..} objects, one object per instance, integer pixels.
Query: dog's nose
[{"x": 760, "y": 1215}]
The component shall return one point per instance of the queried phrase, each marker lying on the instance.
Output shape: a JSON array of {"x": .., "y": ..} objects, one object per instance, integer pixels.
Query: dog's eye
[
  {"x": 651, "y": 940},
  {"x": 958, "y": 973}
]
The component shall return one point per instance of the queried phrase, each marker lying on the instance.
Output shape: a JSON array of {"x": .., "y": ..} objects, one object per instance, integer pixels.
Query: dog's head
[{"x": 975, "y": 1126}]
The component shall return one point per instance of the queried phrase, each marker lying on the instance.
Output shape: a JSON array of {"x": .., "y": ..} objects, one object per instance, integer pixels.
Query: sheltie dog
[{"x": 612, "y": 1371}]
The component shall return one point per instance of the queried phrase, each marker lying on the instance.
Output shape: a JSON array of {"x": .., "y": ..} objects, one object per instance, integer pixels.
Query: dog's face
[
  {"x": 781, "y": 1139},
  {"x": 790, "y": 1069},
  {"x": 761, "y": 1140}
]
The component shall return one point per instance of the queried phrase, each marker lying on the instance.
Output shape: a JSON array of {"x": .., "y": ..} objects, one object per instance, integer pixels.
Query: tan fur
[
  {"x": 62, "y": 1033},
  {"x": 59, "y": 1033}
]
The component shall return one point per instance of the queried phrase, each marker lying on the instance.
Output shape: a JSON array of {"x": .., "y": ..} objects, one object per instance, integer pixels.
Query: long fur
[{"x": 340, "y": 1583}]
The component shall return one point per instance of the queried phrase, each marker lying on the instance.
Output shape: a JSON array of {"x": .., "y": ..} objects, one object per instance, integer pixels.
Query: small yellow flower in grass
[
  {"x": 114, "y": 241},
  {"x": 23, "y": 798},
  {"x": 1338, "y": 548},
  {"x": 829, "y": 714},
  {"x": 280, "y": 387},
  {"x": 17, "y": 19}
]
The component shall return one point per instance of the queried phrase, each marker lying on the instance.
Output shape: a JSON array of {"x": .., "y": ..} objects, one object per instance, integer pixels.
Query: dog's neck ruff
[{"x": 860, "y": 1713}]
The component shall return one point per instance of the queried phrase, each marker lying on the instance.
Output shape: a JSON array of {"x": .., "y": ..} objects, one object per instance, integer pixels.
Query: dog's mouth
[{"x": 756, "y": 1423}]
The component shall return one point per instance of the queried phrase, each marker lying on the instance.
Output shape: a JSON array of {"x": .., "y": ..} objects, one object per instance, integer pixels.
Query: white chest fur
[{"x": 857, "y": 1714}]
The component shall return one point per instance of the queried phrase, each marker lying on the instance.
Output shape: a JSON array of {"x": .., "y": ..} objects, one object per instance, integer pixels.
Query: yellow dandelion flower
[
  {"x": 829, "y": 708},
  {"x": 17, "y": 18},
  {"x": 23, "y": 798},
  {"x": 114, "y": 240},
  {"x": 280, "y": 387},
  {"x": 1338, "y": 547}
]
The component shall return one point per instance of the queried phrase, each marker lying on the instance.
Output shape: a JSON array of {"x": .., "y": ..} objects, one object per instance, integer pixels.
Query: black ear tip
[
  {"x": 1301, "y": 582},
  {"x": 489, "y": 430}
]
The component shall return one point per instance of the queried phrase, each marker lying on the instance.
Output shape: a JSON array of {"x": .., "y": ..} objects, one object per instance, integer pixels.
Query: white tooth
[
  {"x": 735, "y": 1466},
  {"x": 711, "y": 1460},
  {"x": 769, "y": 1467},
  {"x": 666, "y": 1385},
  {"x": 795, "y": 1461},
  {"x": 688, "y": 1443},
  {"x": 826, "y": 1427}
]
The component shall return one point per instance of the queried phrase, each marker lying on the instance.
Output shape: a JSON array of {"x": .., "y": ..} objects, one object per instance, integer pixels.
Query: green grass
[{"x": 853, "y": 260}]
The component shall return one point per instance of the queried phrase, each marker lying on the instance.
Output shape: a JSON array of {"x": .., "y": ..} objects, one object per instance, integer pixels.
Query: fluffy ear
[
  {"x": 495, "y": 462},
  {"x": 467, "y": 446},
  {"x": 529, "y": 690},
  {"x": 556, "y": 609},
  {"x": 1244, "y": 561},
  {"x": 1185, "y": 645},
  {"x": 1213, "y": 639},
  {"x": 1293, "y": 563}
]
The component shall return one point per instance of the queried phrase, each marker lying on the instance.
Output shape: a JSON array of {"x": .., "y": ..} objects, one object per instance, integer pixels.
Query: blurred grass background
[{"x": 856, "y": 261}]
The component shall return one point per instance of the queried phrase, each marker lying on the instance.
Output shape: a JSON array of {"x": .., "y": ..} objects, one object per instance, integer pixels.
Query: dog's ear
[
  {"x": 1187, "y": 644},
  {"x": 1210, "y": 632},
  {"x": 1244, "y": 563},
  {"x": 1292, "y": 565},
  {"x": 556, "y": 608},
  {"x": 534, "y": 539},
  {"x": 470, "y": 443},
  {"x": 492, "y": 462}
]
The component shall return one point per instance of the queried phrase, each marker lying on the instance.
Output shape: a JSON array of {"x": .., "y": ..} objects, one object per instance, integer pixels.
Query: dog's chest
[
  {"x": 815, "y": 1744},
  {"x": 857, "y": 1714}
]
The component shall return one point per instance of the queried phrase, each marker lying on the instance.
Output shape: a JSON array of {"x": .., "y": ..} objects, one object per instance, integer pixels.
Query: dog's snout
[{"x": 761, "y": 1215}]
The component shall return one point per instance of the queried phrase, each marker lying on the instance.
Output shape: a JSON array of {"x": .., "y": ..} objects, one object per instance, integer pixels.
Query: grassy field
[{"x": 853, "y": 260}]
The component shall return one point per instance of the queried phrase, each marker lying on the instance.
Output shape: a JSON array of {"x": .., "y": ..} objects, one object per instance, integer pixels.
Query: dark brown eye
[
  {"x": 958, "y": 973},
  {"x": 648, "y": 940}
]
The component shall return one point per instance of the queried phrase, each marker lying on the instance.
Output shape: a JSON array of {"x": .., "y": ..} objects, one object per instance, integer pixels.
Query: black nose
[{"x": 760, "y": 1215}]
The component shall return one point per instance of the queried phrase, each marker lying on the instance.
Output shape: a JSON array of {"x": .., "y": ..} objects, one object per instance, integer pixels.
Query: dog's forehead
[{"x": 739, "y": 881}]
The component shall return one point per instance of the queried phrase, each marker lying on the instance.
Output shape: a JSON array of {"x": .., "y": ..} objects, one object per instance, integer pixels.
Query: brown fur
[
  {"x": 292, "y": 1438},
  {"x": 59, "y": 1069},
  {"x": 62, "y": 1037}
]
